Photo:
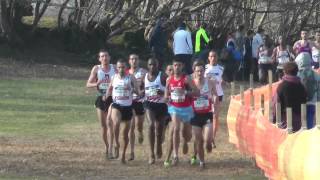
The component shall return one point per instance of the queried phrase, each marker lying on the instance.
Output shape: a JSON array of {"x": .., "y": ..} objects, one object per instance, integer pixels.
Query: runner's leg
[
  {"x": 151, "y": 135},
  {"x": 116, "y": 118},
  {"x": 102, "y": 118}
]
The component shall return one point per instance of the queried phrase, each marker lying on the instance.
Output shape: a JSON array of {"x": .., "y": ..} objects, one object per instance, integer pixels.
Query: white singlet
[
  {"x": 215, "y": 72},
  {"x": 152, "y": 88},
  {"x": 105, "y": 77},
  {"x": 122, "y": 90}
]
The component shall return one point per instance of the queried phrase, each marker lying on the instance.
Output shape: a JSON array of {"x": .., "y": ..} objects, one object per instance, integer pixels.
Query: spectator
[
  {"x": 265, "y": 61},
  {"x": 257, "y": 42},
  {"x": 316, "y": 51},
  {"x": 158, "y": 41},
  {"x": 248, "y": 53},
  {"x": 201, "y": 42},
  {"x": 302, "y": 45},
  {"x": 291, "y": 93},
  {"x": 239, "y": 39},
  {"x": 281, "y": 55},
  {"x": 310, "y": 80},
  {"x": 182, "y": 47}
]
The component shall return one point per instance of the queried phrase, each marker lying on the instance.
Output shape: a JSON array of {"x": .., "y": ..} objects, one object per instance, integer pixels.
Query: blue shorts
[{"x": 184, "y": 113}]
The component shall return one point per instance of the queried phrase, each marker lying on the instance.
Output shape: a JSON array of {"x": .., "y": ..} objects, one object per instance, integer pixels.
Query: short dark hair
[
  {"x": 290, "y": 68},
  {"x": 153, "y": 60},
  {"x": 260, "y": 29},
  {"x": 249, "y": 32},
  {"x": 197, "y": 62},
  {"x": 182, "y": 25},
  {"x": 103, "y": 51},
  {"x": 120, "y": 60}
]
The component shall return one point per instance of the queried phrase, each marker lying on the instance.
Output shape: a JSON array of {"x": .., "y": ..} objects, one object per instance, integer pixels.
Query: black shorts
[
  {"x": 201, "y": 119},
  {"x": 138, "y": 108},
  {"x": 103, "y": 105},
  {"x": 159, "y": 109},
  {"x": 125, "y": 111}
]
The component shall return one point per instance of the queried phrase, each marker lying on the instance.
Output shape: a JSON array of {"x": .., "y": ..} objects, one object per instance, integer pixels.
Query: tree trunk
[
  {"x": 39, "y": 13},
  {"x": 7, "y": 26},
  {"x": 60, "y": 13}
]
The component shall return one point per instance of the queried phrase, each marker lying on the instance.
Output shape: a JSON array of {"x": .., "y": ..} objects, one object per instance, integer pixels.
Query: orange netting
[{"x": 279, "y": 155}]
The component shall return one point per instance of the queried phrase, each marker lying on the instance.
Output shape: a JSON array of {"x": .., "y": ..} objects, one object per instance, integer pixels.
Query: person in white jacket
[
  {"x": 182, "y": 47},
  {"x": 257, "y": 42}
]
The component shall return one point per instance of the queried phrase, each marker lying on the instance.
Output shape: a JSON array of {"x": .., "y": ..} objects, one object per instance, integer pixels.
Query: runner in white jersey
[
  {"x": 156, "y": 108},
  {"x": 121, "y": 87},
  {"x": 100, "y": 78},
  {"x": 202, "y": 107},
  {"x": 137, "y": 104},
  {"x": 316, "y": 51},
  {"x": 281, "y": 55},
  {"x": 214, "y": 71}
]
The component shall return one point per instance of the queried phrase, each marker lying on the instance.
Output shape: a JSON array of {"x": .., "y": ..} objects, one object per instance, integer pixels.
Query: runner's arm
[
  {"x": 212, "y": 87},
  {"x": 274, "y": 55},
  {"x": 109, "y": 90},
  {"x": 166, "y": 92},
  {"x": 92, "y": 80},
  {"x": 194, "y": 91}
]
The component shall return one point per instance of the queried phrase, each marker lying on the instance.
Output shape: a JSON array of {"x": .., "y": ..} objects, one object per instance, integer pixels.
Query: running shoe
[
  {"x": 175, "y": 161},
  {"x": 131, "y": 157},
  {"x": 202, "y": 165},
  {"x": 193, "y": 160},
  {"x": 167, "y": 163}
]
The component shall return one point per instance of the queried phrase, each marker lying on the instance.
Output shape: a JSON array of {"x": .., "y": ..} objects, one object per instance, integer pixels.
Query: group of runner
[{"x": 170, "y": 100}]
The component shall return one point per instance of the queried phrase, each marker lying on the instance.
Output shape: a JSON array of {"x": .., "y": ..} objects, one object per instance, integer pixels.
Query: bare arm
[
  {"x": 166, "y": 92},
  {"x": 109, "y": 90},
  {"x": 212, "y": 87},
  {"x": 274, "y": 55},
  {"x": 194, "y": 90},
  {"x": 93, "y": 80}
]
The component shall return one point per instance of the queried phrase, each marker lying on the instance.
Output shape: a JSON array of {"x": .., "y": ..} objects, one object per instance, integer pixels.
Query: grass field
[{"x": 48, "y": 130}]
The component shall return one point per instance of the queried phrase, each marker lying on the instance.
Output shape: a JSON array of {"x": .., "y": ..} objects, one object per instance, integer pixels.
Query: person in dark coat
[
  {"x": 291, "y": 93},
  {"x": 158, "y": 41}
]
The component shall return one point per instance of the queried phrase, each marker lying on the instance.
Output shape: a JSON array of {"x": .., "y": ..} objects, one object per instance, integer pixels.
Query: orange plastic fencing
[
  {"x": 280, "y": 155},
  {"x": 251, "y": 131}
]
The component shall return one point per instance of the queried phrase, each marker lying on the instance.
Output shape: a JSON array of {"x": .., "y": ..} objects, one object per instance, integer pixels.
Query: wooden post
[
  {"x": 318, "y": 115},
  {"x": 251, "y": 92},
  {"x": 251, "y": 99},
  {"x": 251, "y": 80},
  {"x": 303, "y": 116},
  {"x": 289, "y": 120},
  {"x": 278, "y": 114},
  {"x": 242, "y": 94},
  {"x": 270, "y": 95},
  {"x": 262, "y": 103},
  {"x": 232, "y": 89}
]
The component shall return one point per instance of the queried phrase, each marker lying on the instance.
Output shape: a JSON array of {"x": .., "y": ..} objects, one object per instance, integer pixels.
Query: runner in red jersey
[
  {"x": 202, "y": 106},
  {"x": 179, "y": 90}
]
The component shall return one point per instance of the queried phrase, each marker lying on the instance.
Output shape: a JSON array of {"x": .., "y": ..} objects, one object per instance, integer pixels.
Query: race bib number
[
  {"x": 121, "y": 93},
  {"x": 283, "y": 59},
  {"x": 103, "y": 86},
  {"x": 201, "y": 104},
  {"x": 264, "y": 60},
  {"x": 151, "y": 91},
  {"x": 178, "y": 95}
]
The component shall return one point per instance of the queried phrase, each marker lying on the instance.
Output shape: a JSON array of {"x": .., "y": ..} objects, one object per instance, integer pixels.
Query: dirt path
[{"x": 83, "y": 157}]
